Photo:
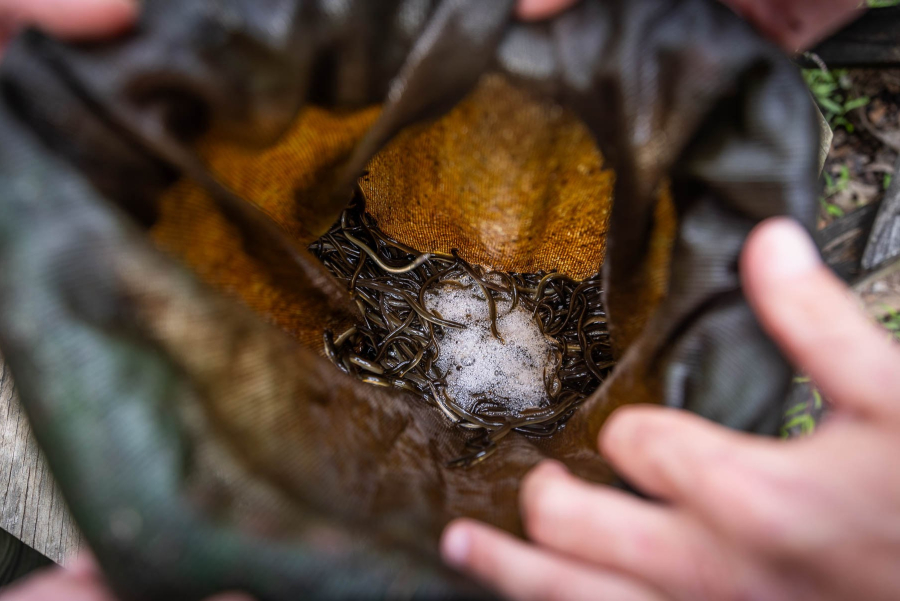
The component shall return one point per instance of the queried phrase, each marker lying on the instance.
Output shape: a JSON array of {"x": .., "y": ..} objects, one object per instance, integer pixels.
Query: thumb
[{"x": 816, "y": 322}]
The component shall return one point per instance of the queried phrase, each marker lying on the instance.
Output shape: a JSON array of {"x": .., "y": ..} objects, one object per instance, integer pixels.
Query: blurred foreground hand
[
  {"x": 71, "y": 19},
  {"x": 794, "y": 24},
  {"x": 738, "y": 516}
]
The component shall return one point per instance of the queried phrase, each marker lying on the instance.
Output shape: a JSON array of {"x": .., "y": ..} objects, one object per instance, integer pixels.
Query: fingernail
[
  {"x": 455, "y": 545},
  {"x": 791, "y": 251}
]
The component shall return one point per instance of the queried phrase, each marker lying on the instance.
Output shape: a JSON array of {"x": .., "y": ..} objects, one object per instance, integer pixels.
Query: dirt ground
[
  {"x": 863, "y": 158},
  {"x": 862, "y": 161}
]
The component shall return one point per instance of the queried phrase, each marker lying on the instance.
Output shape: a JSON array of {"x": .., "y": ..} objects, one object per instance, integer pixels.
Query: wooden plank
[{"x": 31, "y": 507}]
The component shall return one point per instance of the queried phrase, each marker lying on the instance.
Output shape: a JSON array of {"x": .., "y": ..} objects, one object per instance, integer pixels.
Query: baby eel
[
  {"x": 422, "y": 312},
  {"x": 356, "y": 272},
  {"x": 339, "y": 342},
  {"x": 365, "y": 364},
  {"x": 441, "y": 405},
  {"x": 415, "y": 362},
  {"x": 401, "y": 328},
  {"x": 539, "y": 293},
  {"x": 492, "y": 305},
  {"x": 596, "y": 369},
  {"x": 375, "y": 380},
  {"x": 513, "y": 291},
  {"x": 384, "y": 266},
  {"x": 331, "y": 351},
  {"x": 435, "y": 278},
  {"x": 473, "y": 459}
]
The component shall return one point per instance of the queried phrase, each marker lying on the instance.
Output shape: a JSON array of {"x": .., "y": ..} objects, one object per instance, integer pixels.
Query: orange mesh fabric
[{"x": 512, "y": 181}]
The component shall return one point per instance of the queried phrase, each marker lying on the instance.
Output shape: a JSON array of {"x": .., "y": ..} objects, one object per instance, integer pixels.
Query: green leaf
[
  {"x": 856, "y": 103},
  {"x": 823, "y": 89},
  {"x": 798, "y": 408},
  {"x": 806, "y": 424},
  {"x": 831, "y": 106}
]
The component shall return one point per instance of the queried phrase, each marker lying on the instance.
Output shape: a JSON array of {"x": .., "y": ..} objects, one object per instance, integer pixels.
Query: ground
[
  {"x": 863, "y": 108},
  {"x": 866, "y": 143}
]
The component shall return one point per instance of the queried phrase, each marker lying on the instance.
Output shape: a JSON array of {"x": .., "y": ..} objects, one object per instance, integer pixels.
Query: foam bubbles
[{"x": 480, "y": 366}]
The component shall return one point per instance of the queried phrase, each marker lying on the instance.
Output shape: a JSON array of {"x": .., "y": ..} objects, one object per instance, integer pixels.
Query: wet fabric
[{"x": 163, "y": 319}]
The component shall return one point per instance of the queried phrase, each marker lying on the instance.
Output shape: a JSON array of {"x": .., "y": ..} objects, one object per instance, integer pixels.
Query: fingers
[
  {"x": 620, "y": 532},
  {"x": 733, "y": 481},
  {"x": 533, "y": 10},
  {"x": 73, "y": 19},
  {"x": 675, "y": 455},
  {"x": 525, "y": 573},
  {"x": 811, "y": 315},
  {"x": 794, "y": 25}
]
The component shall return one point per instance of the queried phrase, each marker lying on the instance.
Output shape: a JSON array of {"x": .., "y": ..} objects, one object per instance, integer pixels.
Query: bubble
[{"x": 510, "y": 373}]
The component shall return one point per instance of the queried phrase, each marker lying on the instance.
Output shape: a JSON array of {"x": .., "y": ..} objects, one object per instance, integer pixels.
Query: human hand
[
  {"x": 73, "y": 19},
  {"x": 81, "y": 582},
  {"x": 738, "y": 516},
  {"x": 793, "y": 24}
]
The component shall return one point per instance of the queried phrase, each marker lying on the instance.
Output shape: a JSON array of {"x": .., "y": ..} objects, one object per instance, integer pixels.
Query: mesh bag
[{"x": 163, "y": 318}]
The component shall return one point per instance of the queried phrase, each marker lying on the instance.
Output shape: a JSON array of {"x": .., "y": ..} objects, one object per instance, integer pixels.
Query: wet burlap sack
[{"x": 163, "y": 320}]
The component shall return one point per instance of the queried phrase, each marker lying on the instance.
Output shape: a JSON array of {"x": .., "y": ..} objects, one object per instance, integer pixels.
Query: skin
[
  {"x": 793, "y": 24},
  {"x": 70, "y": 19},
  {"x": 733, "y": 516}
]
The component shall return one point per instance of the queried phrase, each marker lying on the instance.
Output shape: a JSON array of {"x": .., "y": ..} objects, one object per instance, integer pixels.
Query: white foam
[{"x": 479, "y": 365}]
